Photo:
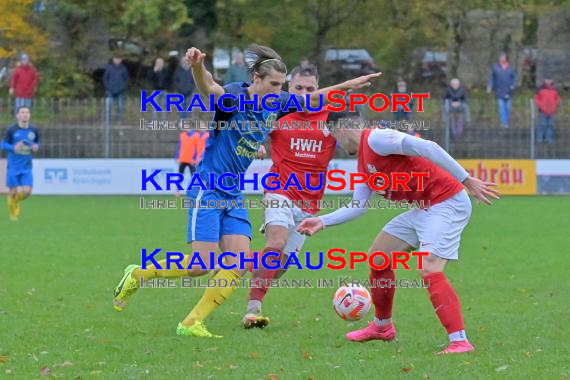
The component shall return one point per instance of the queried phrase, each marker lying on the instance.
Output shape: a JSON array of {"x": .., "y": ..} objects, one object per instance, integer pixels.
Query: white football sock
[
  {"x": 458, "y": 336},
  {"x": 382, "y": 322},
  {"x": 254, "y": 307}
]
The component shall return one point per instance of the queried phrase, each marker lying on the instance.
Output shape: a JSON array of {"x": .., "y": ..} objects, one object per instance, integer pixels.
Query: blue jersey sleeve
[
  {"x": 8, "y": 141},
  {"x": 234, "y": 89},
  {"x": 37, "y": 139}
]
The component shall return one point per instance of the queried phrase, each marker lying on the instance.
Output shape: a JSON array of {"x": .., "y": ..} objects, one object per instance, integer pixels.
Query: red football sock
[
  {"x": 445, "y": 302},
  {"x": 383, "y": 292},
  {"x": 257, "y": 294}
]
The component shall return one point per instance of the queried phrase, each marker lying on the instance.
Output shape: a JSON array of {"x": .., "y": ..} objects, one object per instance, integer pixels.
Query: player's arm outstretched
[
  {"x": 202, "y": 77},
  {"x": 388, "y": 141},
  {"x": 352, "y": 84},
  {"x": 311, "y": 226}
]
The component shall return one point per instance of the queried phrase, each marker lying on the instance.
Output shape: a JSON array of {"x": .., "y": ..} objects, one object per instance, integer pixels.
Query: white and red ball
[{"x": 352, "y": 303}]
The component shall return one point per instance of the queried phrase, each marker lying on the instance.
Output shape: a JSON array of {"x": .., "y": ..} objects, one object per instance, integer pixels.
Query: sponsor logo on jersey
[{"x": 306, "y": 145}]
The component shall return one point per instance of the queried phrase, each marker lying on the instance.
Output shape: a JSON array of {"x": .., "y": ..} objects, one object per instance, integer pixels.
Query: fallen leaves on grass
[
  {"x": 307, "y": 355},
  {"x": 272, "y": 376},
  {"x": 407, "y": 369},
  {"x": 67, "y": 363},
  {"x": 4, "y": 358},
  {"x": 528, "y": 355},
  {"x": 254, "y": 355},
  {"x": 45, "y": 371}
]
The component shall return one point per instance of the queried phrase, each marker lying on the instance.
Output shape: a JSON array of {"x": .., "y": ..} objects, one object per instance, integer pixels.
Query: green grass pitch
[{"x": 61, "y": 261}]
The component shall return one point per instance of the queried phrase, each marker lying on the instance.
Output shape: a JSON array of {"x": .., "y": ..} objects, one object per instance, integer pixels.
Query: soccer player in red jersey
[
  {"x": 437, "y": 229},
  {"x": 295, "y": 151}
]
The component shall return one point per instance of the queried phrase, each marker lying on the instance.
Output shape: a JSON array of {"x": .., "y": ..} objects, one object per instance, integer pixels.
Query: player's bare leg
[
  {"x": 446, "y": 304},
  {"x": 276, "y": 239},
  {"x": 381, "y": 328},
  {"x": 24, "y": 193},
  {"x": 213, "y": 297}
]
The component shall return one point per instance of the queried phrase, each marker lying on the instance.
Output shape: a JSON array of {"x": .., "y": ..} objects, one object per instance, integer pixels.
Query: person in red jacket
[
  {"x": 24, "y": 82},
  {"x": 547, "y": 100}
]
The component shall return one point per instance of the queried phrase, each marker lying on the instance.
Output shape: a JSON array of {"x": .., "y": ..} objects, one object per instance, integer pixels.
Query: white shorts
[
  {"x": 437, "y": 229},
  {"x": 288, "y": 217}
]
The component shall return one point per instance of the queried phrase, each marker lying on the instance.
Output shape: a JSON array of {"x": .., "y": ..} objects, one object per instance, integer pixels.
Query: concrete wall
[{"x": 488, "y": 33}]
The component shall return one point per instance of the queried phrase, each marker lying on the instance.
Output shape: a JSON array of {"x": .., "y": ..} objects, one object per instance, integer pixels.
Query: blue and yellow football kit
[
  {"x": 19, "y": 171},
  {"x": 230, "y": 150}
]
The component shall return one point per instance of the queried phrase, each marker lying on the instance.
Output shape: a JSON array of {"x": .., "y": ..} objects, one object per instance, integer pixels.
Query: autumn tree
[{"x": 18, "y": 31}]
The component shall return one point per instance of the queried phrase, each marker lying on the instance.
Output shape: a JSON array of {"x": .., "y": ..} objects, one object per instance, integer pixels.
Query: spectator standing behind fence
[
  {"x": 238, "y": 71},
  {"x": 23, "y": 83},
  {"x": 547, "y": 101},
  {"x": 189, "y": 151},
  {"x": 400, "y": 113},
  {"x": 456, "y": 108},
  {"x": 160, "y": 77},
  {"x": 115, "y": 80},
  {"x": 184, "y": 83},
  {"x": 502, "y": 83}
]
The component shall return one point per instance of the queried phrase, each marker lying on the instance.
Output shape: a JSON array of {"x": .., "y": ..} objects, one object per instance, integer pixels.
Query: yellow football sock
[
  {"x": 20, "y": 196},
  {"x": 213, "y": 297},
  {"x": 152, "y": 272},
  {"x": 11, "y": 203}
]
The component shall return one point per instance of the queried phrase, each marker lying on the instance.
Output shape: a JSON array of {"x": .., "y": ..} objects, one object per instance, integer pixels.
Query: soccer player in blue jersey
[
  {"x": 227, "y": 151},
  {"x": 20, "y": 141}
]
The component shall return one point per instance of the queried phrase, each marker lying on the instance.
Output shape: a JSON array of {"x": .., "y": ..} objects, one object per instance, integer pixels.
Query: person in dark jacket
[
  {"x": 184, "y": 83},
  {"x": 238, "y": 71},
  {"x": 115, "y": 80},
  {"x": 161, "y": 81},
  {"x": 547, "y": 100},
  {"x": 456, "y": 108},
  {"x": 400, "y": 113},
  {"x": 502, "y": 83}
]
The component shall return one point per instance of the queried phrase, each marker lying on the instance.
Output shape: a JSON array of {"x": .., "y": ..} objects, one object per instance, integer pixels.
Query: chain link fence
[{"x": 88, "y": 128}]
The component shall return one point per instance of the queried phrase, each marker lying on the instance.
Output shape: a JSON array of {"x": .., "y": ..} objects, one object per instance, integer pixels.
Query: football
[{"x": 352, "y": 303}]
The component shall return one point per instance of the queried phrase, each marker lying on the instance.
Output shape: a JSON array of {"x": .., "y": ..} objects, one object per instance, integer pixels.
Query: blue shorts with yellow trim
[{"x": 216, "y": 218}]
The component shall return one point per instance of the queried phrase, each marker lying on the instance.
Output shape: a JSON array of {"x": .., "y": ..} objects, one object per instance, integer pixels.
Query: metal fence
[{"x": 81, "y": 128}]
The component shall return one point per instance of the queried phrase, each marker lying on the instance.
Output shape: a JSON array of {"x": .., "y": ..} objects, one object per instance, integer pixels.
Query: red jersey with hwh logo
[
  {"x": 302, "y": 151},
  {"x": 439, "y": 186}
]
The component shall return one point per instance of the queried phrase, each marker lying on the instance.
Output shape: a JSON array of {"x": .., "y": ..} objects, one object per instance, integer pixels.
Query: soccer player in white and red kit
[
  {"x": 295, "y": 151},
  {"x": 436, "y": 229}
]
